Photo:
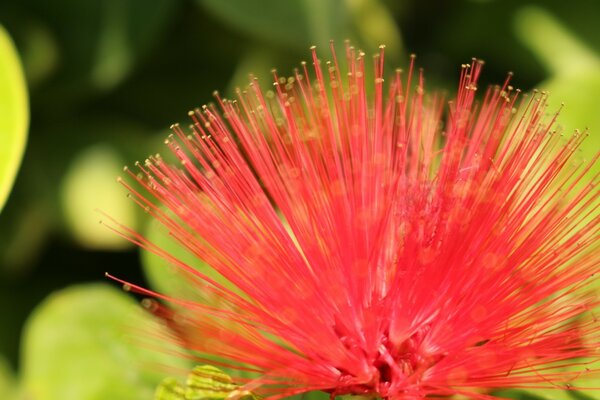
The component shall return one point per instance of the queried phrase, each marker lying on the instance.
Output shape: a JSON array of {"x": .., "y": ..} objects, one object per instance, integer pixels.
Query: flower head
[{"x": 379, "y": 240}]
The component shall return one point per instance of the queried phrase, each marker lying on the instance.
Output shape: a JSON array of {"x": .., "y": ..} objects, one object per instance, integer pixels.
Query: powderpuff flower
[{"x": 380, "y": 241}]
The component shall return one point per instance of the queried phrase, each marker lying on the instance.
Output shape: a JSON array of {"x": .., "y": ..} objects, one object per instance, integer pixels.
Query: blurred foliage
[
  {"x": 84, "y": 343},
  {"x": 14, "y": 114},
  {"x": 8, "y": 382},
  {"x": 574, "y": 77},
  {"x": 548, "y": 394},
  {"x": 295, "y": 23},
  {"x": 205, "y": 382},
  {"x": 106, "y": 77},
  {"x": 167, "y": 278},
  {"x": 88, "y": 184},
  {"x": 162, "y": 276}
]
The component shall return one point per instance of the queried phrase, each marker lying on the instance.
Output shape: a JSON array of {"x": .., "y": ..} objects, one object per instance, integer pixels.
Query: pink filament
[{"x": 379, "y": 242}]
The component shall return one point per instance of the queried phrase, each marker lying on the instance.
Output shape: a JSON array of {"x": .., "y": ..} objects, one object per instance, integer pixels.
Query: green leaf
[
  {"x": 129, "y": 27},
  {"x": 101, "y": 50},
  {"x": 580, "y": 94},
  {"x": 558, "y": 49},
  {"x": 39, "y": 52},
  {"x": 327, "y": 20},
  {"x": 8, "y": 382},
  {"x": 203, "y": 383},
  {"x": 166, "y": 278},
  {"x": 574, "y": 82},
  {"x": 93, "y": 342},
  {"x": 520, "y": 394},
  {"x": 547, "y": 394},
  {"x": 89, "y": 185},
  {"x": 575, "y": 79},
  {"x": 282, "y": 22},
  {"x": 170, "y": 389},
  {"x": 258, "y": 62},
  {"x": 301, "y": 23},
  {"x": 583, "y": 387},
  {"x": 14, "y": 114},
  {"x": 314, "y": 395},
  {"x": 293, "y": 23},
  {"x": 375, "y": 25},
  {"x": 208, "y": 382}
]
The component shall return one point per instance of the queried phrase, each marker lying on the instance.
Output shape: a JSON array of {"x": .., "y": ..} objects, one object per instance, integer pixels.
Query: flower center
[{"x": 399, "y": 368}]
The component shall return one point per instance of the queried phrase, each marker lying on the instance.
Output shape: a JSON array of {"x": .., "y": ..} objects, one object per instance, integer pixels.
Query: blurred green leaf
[
  {"x": 553, "y": 44},
  {"x": 274, "y": 21},
  {"x": 166, "y": 278},
  {"x": 8, "y": 383},
  {"x": 99, "y": 43},
  {"x": 14, "y": 114},
  {"x": 314, "y": 395},
  {"x": 580, "y": 94},
  {"x": 575, "y": 76},
  {"x": 23, "y": 231},
  {"x": 547, "y": 394},
  {"x": 127, "y": 30},
  {"x": 375, "y": 26},
  {"x": 327, "y": 20},
  {"x": 257, "y": 62},
  {"x": 89, "y": 185},
  {"x": 301, "y": 23},
  {"x": 80, "y": 344},
  {"x": 521, "y": 395},
  {"x": 40, "y": 53}
]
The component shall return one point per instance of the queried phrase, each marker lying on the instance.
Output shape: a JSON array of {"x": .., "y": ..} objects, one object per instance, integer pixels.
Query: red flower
[{"x": 380, "y": 242}]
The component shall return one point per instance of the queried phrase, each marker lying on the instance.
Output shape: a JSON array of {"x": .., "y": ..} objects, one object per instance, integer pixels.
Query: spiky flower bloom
[{"x": 381, "y": 241}]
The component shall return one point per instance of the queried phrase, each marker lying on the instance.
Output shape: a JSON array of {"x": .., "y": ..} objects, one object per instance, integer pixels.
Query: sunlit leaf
[
  {"x": 580, "y": 94},
  {"x": 93, "y": 342},
  {"x": 575, "y": 79},
  {"x": 553, "y": 44},
  {"x": 14, "y": 114},
  {"x": 575, "y": 84},
  {"x": 90, "y": 185}
]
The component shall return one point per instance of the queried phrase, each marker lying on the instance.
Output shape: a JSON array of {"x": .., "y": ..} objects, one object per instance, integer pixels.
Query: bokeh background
[{"x": 104, "y": 80}]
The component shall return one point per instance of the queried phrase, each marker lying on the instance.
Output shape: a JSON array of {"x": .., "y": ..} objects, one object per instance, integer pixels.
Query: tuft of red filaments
[{"x": 378, "y": 240}]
